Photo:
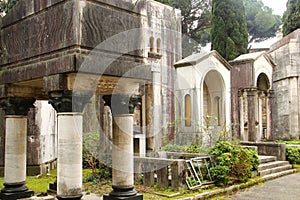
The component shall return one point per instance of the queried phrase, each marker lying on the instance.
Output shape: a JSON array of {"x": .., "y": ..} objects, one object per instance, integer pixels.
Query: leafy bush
[
  {"x": 173, "y": 148},
  {"x": 293, "y": 154},
  {"x": 232, "y": 163}
]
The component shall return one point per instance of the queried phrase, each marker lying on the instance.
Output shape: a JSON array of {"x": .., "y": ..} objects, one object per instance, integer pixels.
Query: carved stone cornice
[
  {"x": 68, "y": 100},
  {"x": 122, "y": 103},
  {"x": 16, "y": 105}
]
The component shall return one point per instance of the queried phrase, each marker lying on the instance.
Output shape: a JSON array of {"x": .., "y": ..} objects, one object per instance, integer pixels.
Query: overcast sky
[{"x": 278, "y": 6}]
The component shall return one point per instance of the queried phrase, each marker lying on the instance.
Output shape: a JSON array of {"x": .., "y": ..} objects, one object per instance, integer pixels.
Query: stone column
[
  {"x": 270, "y": 99},
  {"x": 69, "y": 106},
  {"x": 252, "y": 113},
  {"x": 16, "y": 110},
  {"x": 122, "y": 107}
]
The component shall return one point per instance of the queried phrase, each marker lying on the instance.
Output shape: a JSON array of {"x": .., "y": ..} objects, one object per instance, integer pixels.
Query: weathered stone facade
[
  {"x": 286, "y": 54},
  {"x": 65, "y": 51},
  {"x": 251, "y": 97}
]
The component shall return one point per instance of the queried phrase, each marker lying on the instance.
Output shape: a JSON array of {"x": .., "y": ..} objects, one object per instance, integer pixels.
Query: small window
[
  {"x": 158, "y": 45},
  {"x": 188, "y": 120},
  {"x": 151, "y": 44}
]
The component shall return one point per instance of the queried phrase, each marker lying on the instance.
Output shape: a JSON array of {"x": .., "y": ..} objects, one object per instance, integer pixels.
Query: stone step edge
[
  {"x": 270, "y": 165},
  {"x": 241, "y": 186},
  {"x": 266, "y": 159},
  {"x": 275, "y": 170}
]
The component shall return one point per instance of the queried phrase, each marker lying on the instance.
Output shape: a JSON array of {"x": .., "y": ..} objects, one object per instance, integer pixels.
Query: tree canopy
[
  {"x": 261, "y": 23},
  {"x": 6, "y": 5},
  {"x": 229, "y": 34},
  {"x": 291, "y": 17}
]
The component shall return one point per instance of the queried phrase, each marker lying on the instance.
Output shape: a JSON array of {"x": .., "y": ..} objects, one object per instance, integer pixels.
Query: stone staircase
[{"x": 270, "y": 167}]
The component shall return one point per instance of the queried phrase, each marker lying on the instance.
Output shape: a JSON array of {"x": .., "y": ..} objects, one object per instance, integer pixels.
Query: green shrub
[
  {"x": 173, "y": 148},
  {"x": 232, "y": 163},
  {"x": 293, "y": 154}
]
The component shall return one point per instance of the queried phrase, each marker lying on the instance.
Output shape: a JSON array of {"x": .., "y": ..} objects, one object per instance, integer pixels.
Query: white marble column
[
  {"x": 15, "y": 149},
  {"x": 16, "y": 110},
  {"x": 69, "y": 158},
  {"x": 122, "y": 152},
  {"x": 122, "y": 107},
  {"x": 69, "y": 106}
]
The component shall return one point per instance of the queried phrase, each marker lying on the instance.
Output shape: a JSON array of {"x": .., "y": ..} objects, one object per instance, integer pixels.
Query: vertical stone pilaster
[
  {"x": 122, "y": 107},
  {"x": 252, "y": 113},
  {"x": 69, "y": 106},
  {"x": 16, "y": 110},
  {"x": 270, "y": 103}
]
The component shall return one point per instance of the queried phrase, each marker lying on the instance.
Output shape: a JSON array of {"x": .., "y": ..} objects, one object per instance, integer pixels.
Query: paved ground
[{"x": 284, "y": 188}]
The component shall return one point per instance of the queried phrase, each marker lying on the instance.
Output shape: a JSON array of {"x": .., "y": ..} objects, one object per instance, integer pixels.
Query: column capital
[
  {"x": 122, "y": 103},
  {"x": 16, "y": 105},
  {"x": 68, "y": 100},
  {"x": 251, "y": 91}
]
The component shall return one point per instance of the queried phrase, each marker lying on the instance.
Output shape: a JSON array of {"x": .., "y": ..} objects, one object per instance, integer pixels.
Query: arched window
[
  {"x": 151, "y": 44},
  {"x": 187, "y": 101},
  {"x": 158, "y": 45}
]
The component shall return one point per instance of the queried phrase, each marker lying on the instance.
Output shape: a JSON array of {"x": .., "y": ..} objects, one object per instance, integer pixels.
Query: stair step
[
  {"x": 266, "y": 159},
  {"x": 279, "y": 174},
  {"x": 270, "y": 165},
  {"x": 275, "y": 170}
]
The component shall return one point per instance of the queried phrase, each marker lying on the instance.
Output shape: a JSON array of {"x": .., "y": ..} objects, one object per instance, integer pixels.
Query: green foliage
[
  {"x": 5, "y": 6},
  {"x": 173, "y": 148},
  {"x": 261, "y": 23},
  {"x": 232, "y": 163},
  {"x": 291, "y": 17},
  {"x": 293, "y": 155},
  {"x": 195, "y": 22},
  {"x": 228, "y": 28}
]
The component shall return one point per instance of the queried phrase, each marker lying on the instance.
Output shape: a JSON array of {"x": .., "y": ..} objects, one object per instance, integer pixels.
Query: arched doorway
[
  {"x": 213, "y": 99},
  {"x": 264, "y": 107}
]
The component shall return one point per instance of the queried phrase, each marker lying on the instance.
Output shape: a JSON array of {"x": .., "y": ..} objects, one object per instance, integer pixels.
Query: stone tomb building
[
  {"x": 66, "y": 52},
  {"x": 251, "y": 96},
  {"x": 286, "y": 84},
  {"x": 203, "y": 98}
]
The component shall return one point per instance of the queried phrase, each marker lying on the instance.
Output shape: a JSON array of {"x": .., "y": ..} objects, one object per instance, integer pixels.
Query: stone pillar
[
  {"x": 16, "y": 110},
  {"x": 252, "y": 113},
  {"x": 259, "y": 127},
  {"x": 122, "y": 107},
  {"x": 69, "y": 106},
  {"x": 270, "y": 99}
]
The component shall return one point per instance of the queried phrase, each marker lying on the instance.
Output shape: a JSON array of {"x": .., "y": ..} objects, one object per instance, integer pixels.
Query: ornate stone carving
[
  {"x": 16, "y": 105},
  {"x": 68, "y": 100},
  {"x": 122, "y": 103}
]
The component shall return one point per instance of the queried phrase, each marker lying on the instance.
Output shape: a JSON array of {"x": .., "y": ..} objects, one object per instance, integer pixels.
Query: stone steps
[
  {"x": 271, "y": 168},
  {"x": 266, "y": 159}
]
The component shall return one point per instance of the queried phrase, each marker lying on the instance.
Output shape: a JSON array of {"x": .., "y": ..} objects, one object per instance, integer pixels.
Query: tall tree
[
  {"x": 291, "y": 17},
  {"x": 261, "y": 22},
  {"x": 229, "y": 34},
  {"x": 195, "y": 19}
]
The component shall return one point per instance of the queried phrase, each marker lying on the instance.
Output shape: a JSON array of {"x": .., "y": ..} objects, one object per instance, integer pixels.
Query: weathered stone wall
[
  {"x": 286, "y": 54},
  {"x": 244, "y": 72},
  {"x": 2, "y": 141}
]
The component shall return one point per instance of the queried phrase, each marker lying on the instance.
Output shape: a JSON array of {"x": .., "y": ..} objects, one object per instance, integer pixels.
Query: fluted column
[
  {"x": 69, "y": 106},
  {"x": 16, "y": 110},
  {"x": 122, "y": 107}
]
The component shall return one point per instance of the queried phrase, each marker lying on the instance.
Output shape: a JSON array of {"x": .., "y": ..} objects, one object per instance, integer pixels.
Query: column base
[
  {"x": 15, "y": 191},
  {"x": 123, "y": 193},
  {"x": 135, "y": 197},
  {"x": 77, "y": 197}
]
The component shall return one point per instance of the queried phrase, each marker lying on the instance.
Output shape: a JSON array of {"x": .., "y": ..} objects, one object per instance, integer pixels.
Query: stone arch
[
  {"x": 264, "y": 109},
  {"x": 214, "y": 98},
  {"x": 263, "y": 82}
]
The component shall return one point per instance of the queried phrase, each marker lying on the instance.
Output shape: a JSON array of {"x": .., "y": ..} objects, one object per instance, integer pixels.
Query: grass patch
[{"x": 288, "y": 141}]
